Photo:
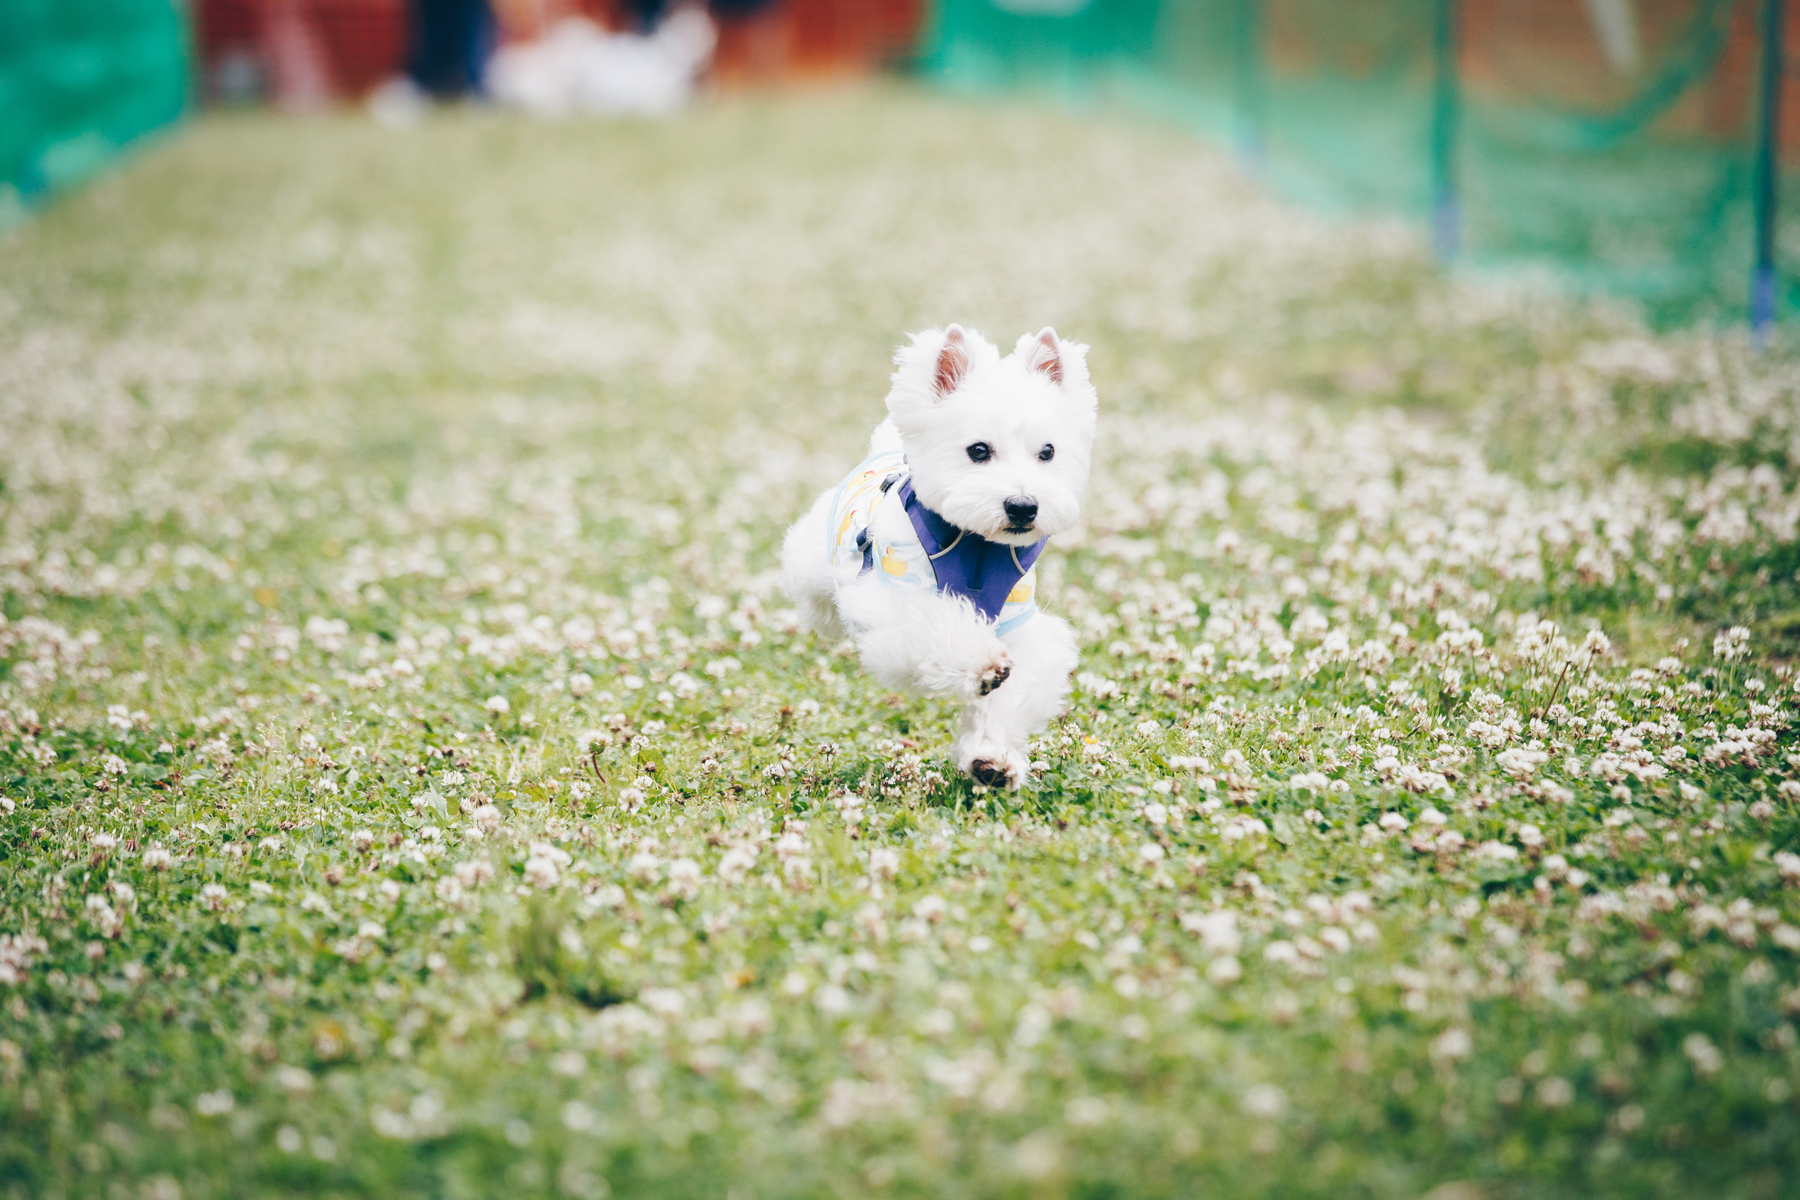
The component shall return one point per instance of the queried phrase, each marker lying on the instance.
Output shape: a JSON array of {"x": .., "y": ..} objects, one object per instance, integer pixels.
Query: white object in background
[
  {"x": 579, "y": 67},
  {"x": 1615, "y": 24},
  {"x": 399, "y": 103}
]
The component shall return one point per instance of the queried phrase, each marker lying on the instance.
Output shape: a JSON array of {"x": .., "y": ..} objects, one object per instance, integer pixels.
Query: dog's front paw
[{"x": 993, "y": 675}]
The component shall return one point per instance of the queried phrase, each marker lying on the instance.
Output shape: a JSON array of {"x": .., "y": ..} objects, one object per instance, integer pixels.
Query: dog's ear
[
  {"x": 932, "y": 366},
  {"x": 1045, "y": 356},
  {"x": 952, "y": 362},
  {"x": 1058, "y": 360}
]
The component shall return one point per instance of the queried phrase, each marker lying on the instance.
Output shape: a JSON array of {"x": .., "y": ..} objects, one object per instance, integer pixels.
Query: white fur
[{"x": 952, "y": 389}]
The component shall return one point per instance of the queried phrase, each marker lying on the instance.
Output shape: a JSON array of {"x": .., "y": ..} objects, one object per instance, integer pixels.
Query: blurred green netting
[
  {"x": 78, "y": 80},
  {"x": 1612, "y": 142}
]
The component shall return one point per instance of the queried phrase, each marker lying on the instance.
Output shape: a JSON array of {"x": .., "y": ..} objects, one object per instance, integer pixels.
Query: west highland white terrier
[{"x": 925, "y": 553}]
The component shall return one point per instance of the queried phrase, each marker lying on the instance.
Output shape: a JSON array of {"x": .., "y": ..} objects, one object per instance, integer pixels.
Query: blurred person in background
[
  {"x": 450, "y": 42},
  {"x": 448, "y": 46}
]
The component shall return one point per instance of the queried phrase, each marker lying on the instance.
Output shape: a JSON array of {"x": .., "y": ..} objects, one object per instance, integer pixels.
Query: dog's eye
[
  {"x": 980, "y": 452},
  {"x": 1047, "y": 453}
]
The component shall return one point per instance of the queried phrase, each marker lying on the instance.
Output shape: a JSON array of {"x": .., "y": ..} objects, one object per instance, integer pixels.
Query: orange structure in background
[
  {"x": 1547, "y": 51},
  {"x": 304, "y": 52}
]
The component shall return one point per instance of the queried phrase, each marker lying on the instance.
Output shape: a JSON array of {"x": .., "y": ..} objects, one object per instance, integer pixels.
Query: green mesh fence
[
  {"x": 1613, "y": 142},
  {"x": 78, "y": 80}
]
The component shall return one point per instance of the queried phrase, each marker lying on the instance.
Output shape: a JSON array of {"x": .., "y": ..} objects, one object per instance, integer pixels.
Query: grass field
[{"x": 414, "y": 785}]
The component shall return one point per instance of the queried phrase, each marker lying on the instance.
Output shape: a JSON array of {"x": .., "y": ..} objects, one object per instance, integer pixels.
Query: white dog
[{"x": 925, "y": 553}]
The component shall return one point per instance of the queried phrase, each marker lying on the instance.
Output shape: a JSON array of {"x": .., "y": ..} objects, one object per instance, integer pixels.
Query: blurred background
[{"x": 1631, "y": 148}]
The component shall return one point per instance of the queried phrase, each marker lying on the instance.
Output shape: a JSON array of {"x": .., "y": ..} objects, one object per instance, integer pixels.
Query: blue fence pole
[
  {"x": 1247, "y": 83},
  {"x": 1768, "y": 144},
  {"x": 1446, "y": 97}
]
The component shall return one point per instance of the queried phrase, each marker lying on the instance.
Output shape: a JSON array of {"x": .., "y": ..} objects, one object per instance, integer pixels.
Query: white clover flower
[
  {"x": 214, "y": 1104},
  {"x": 872, "y": 921},
  {"x": 541, "y": 871},
  {"x": 213, "y": 896},
  {"x": 1239, "y": 826},
  {"x": 1555, "y": 1092},
  {"x": 1224, "y": 970},
  {"x": 1521, "y": 762},
  {"x": 1033, "y": 1023},
  {"x": 684, "y": 877},
  {"x": 1217, "y": 930},
  {"x": 1706, "y": 1057},
  {"x": 665, "y": 1002},
  {"x": 736, "y": 863},
  {"x": 884, "y": 862},
  {"x": 1265, "y": 1100},
  {"x": 497, "y": 705},
  {"x": 644, "y": 866},
  {"x": 931, "y": 908},
  {"x": 294, "y": 1080},
  {"x": 1731, "y": 644},
  {"x": 1452, "y": 1044}
]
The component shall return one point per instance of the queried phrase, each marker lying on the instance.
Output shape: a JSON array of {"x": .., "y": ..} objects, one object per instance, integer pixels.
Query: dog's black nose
[{"x": 1020, "y": 510}]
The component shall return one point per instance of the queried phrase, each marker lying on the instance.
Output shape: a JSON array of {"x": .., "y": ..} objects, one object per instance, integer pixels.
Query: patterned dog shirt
[{"x": 999, "y": 580}]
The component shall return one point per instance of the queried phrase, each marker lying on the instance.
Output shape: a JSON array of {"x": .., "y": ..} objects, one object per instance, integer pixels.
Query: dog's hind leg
[
  {"x": 996, "y": 735},
  {"x": 807, "y": 575}
]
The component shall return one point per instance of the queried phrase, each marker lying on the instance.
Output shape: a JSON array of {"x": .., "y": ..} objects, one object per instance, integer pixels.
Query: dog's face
[{"x": 998, "y": 446}]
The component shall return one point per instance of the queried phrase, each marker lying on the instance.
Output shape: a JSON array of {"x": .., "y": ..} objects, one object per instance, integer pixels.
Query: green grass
[{"x": 416, "y": 786}]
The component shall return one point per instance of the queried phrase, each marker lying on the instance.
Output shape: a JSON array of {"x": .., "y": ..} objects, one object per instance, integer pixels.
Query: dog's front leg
[
  {"x": 996, "y": 736},
  {"x": 923, "y": 641}
]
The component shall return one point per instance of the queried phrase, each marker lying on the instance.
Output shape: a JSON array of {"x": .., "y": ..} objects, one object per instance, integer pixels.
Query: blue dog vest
[{"x": 999, "y": 580}]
